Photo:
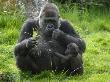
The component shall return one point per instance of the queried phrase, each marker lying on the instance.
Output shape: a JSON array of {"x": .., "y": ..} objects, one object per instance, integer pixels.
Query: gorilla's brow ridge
[{"x": 51, "y": 18}]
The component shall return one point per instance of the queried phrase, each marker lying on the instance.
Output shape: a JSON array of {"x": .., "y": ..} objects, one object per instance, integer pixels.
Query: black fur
[{"x": 50, "y": 50}]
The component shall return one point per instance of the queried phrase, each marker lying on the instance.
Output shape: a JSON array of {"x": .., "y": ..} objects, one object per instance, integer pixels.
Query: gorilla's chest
[
  {"x": 54, "y": 46},
  {"x": 43, "y": 53},
  {"x": 48, "y": 47}
]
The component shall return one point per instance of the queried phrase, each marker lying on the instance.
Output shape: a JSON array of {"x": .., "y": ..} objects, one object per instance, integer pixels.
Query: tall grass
[{"x": 88, "y": 20}]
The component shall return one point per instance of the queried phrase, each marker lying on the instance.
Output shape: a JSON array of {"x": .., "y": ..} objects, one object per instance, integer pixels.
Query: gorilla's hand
[
  {"x": 31, "y": 43},
  {"x": 57, "y": 34}
]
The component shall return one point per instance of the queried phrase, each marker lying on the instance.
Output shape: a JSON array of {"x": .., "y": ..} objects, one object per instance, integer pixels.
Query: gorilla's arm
[
  {"x": 22, "y": 49},
  {"x": 66, "y": 34},
  {"x": 78, "y": 41},
  {"x": 27, "y": 29},
  {"x": 25, "y": 42},
  {"x": 67, "y": 57}
]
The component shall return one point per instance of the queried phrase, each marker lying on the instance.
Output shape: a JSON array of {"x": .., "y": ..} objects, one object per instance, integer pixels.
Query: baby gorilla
[
  {"x": 71, "y": 51},
  {"x": 71, "y": 61}
]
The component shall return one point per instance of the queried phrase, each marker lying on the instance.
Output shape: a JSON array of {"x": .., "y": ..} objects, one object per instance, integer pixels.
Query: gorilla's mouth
[
  {"x": 49, "y": 29},
  {"x": 48, "y": 32}
]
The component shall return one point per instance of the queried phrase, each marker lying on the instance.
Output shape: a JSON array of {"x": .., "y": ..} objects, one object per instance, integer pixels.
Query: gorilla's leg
[
  {"x": 76, "y": 65},
  {"x": 27, "y": 64}
]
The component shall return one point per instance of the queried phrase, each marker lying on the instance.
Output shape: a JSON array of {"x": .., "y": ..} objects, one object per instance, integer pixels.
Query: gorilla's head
[
  {"x": 72, "y": 49},
  {"x": 49, "y": 19}
]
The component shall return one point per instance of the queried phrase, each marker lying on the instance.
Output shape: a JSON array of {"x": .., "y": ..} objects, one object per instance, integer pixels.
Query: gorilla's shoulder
[
  {"x": 67, "y": 27},
  {"x": 64, "y": 22}
]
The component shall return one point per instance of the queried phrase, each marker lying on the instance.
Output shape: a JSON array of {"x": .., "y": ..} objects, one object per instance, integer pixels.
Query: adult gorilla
[{"x": 58, "y": 47}]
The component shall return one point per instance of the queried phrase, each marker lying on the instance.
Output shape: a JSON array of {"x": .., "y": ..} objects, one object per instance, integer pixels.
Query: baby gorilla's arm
[
  {"x": 67, "y": 57},
  {"x": 71, "y": 51}
]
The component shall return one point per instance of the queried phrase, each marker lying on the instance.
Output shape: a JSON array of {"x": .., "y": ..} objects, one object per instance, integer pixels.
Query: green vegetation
[{"x": 94, "y": 28}]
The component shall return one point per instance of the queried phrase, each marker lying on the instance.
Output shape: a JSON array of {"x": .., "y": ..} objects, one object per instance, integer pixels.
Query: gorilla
[{"x": 58, "y": 47}]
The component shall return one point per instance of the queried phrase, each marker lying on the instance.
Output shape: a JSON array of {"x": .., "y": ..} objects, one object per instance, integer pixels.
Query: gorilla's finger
[{"x": 57, "y": 33}]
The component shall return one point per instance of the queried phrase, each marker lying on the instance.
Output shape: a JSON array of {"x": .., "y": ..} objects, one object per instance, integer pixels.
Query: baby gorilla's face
[{"x": 72, "y": 49}]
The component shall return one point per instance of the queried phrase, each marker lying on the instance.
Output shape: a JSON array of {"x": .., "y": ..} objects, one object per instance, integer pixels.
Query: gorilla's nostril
[{"x": 50, "y": 26}]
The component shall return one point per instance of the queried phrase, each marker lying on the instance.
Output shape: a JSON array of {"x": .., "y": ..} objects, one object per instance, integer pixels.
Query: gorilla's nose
[{"x": 50, "y": 26}]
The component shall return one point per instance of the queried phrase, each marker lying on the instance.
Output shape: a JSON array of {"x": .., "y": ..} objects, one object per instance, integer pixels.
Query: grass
[{"x": 94, "y": 28}]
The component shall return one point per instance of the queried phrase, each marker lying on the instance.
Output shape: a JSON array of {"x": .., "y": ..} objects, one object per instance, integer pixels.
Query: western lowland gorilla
[{"x": 58, "y": 47}]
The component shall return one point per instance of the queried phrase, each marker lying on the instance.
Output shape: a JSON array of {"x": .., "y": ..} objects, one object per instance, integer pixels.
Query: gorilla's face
[{"x": 49, "y": 21}]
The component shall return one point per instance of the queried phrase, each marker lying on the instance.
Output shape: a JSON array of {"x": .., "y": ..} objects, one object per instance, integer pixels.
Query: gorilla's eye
[
  {"x": 52, "y": 22},
  {"x": 51, "y": 19}
]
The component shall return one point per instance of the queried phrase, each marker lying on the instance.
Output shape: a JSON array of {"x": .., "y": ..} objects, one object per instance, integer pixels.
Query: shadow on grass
[{"x": 8, "y": 77}]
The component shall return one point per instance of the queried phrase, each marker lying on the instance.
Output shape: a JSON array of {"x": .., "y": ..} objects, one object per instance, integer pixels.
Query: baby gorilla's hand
[
  {"x": 31, "y": 43},
  {"x": 72, "y": 49},
  {"x": 57, "y": 34}
]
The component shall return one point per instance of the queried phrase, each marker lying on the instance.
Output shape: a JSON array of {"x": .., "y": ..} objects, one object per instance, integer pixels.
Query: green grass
[{"x": 93, "y": 28}]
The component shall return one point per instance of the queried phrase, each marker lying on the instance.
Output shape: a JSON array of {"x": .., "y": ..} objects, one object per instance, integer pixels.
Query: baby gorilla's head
[{"x": 72, "y": 49}]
